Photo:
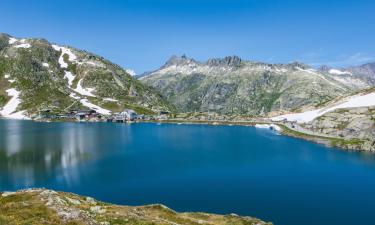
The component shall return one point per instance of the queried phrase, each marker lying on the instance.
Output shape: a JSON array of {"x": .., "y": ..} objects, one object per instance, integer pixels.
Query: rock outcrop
[
  {"x": 40, "y": 206},
  {"x": 354, "y": 127}
]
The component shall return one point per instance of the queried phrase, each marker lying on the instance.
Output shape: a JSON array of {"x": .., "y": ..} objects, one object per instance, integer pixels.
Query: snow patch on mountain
[
  {"x": 24, "y": 45},
  {"x": 12, "y": 40},
  {"x": 73, "y": 95},
  {"x": 20, "y": 43},
  {"x": 71, "y": 56},
  {"x": 355, "y": 101},
  {"x": 268, "y": 126},
  {"x": 70, "y": 76},
  {"x": 97, "y": 108},
  {"x": 338, "y": 72},
  {"x": 84, "y": 91},
  {"x": 85, "y": 102},
  {"x": 7, "y": 76},
  {"x": 110, "y": 100},
  {"x": 9, "y": 110}
]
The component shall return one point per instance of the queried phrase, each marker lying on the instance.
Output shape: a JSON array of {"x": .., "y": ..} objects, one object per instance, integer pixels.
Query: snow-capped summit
[{"x": 131, "y": 72}]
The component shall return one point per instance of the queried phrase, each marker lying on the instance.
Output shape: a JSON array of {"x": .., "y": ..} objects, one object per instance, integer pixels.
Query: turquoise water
[{"x": 218, "y": 169}]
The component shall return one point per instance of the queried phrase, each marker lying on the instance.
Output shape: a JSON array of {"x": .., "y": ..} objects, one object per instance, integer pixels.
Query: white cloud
[{"x": 347, "y": 60}]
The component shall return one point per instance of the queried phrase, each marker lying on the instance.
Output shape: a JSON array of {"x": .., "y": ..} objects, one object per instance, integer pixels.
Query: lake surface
[{"x": 217, "y": 169}]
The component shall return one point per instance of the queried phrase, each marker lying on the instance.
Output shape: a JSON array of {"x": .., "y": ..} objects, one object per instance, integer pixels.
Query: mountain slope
[
  {"x": 36, "y": 75},
  {"x": 356, "y": 76},
  {"x": 349, "y": 120},
  {"x": 365, "y": 71},
  {"x": 234, "y": 86}
]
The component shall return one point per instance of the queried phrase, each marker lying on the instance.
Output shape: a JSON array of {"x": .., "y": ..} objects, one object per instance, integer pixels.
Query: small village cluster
[{"x": 127, "y": 115}]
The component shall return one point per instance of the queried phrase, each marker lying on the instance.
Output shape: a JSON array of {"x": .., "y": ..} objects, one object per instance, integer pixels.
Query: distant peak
[
  {"x": 4, "y": 35},
  {"x": 179, "y": 60},
  {"x": 299, "y": 65},
  {"x": 227, "y": 61},
  {"x": 325, "y": 68}
]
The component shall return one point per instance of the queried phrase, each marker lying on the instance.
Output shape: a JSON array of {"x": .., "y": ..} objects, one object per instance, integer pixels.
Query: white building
[{"x": 129, "y": 114}]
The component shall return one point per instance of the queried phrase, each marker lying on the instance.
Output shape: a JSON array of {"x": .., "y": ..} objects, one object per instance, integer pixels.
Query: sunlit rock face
[
  {"x": 350, "y": 124},
  {"x": 235, "y": 86}
]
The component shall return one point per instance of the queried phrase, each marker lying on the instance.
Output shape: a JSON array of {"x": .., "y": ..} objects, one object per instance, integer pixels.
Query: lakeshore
[
  {"x": 287, "y": 128},
  {"x": 217, "y": 169}
]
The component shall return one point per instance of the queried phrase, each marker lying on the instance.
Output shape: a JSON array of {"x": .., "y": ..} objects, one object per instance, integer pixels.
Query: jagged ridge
[{"x": 235, "y": 86}]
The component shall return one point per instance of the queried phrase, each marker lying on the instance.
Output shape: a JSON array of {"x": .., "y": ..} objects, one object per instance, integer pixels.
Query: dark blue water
[{"x": 218, "y": 169}]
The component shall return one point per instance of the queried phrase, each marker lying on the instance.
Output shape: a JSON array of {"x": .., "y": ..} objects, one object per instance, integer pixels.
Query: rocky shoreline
[
  {"x": 329, "y": 141},
  {"x": 42, "y": 206}
]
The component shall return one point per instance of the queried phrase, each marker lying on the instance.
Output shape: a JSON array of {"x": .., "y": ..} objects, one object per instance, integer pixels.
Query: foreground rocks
[{"x": 41, "y": 206}]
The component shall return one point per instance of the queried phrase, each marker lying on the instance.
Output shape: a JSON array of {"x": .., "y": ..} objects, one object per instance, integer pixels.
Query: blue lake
[{"x": 217, "y": 169}]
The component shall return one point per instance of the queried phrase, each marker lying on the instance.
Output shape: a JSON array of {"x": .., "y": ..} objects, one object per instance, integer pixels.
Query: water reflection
[
  {"x": 191, "y": 168},
  {"x": 34, "y": 151}
]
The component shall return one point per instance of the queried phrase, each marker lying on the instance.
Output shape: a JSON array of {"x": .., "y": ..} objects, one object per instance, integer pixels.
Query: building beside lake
[{"x": 129, "y": 114}]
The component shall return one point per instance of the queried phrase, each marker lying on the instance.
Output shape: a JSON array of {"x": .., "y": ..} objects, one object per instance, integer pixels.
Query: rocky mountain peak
[
  {"x": 325, "y": 68},
  {"x": 178, "y": 61},
  {"x": 370, "y": 67},
  {"x": 366, "y": 70},
  {"x": 227, "y": 61},
  {"x": 296, "y": 64}
]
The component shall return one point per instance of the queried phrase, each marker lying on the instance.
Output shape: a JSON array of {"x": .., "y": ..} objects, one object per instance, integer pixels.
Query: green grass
[
  {"x": 13, "y": 210},
  {"x": 29, "y": 208},
  {"x": 346, "y": 143}
]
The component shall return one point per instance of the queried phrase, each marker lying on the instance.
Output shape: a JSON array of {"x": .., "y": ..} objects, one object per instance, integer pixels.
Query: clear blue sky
[{"x": 143, "y": 34}]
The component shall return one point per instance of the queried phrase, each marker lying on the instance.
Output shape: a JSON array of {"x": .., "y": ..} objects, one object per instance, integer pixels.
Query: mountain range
[
  {"x": 36, "y": 75},
  {"x": 234, "y": 86}
]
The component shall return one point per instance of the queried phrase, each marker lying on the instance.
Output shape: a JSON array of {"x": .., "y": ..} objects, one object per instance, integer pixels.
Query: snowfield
[
  {"x": 90, "y": 105},
  {"x": 97, "y": 108},
  {"x": 21, "y": 43},
  {"x": 338, "y": 72},
  {"x": 268, "y": 126},
  {"x": 110, "y": 100},
  {"x": 73, "y": 95},
  {"x": 70, "y": 77},
  {"x": 12, "y": 40},
  {"x": 72, "y": 57},
  {"x": 9, "y": 110},
  {"x": 24, "y": 45},
  {"x": 79, "y": 89},
  {"x": 84, "y": 91},
  {"x": 349, "y": 102}
]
